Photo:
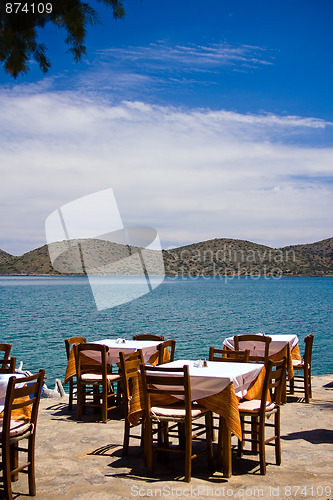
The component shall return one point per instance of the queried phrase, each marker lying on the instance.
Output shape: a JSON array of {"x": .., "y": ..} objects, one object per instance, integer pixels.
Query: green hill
[
  {"x": 4, "y": 256},
  {"x": 217, "y": 257},
  {"x": 220, "y": 257}
]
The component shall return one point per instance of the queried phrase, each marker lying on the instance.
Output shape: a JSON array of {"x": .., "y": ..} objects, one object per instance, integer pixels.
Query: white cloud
[
  {"x": 161, "y": 66},
  {"x": 192, "y": 56},
  {"x": 191, "y": 174}
]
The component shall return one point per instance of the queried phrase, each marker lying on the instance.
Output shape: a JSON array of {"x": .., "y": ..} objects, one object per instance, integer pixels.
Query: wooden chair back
[
  {"x": 22, "y": 397},
  {"x": 8, "y": 365},
  {"x": 148, "y": 336},
  {"x": 227, "y": 355},
  {"x": 72, "y": 341},
  {"x": 257, "y": 418},
  {"x": 273, "y": 383},
  {"x": 308, "y": 349},
  {"x": 90, "y": 358},
  {"x": 5, "y": 348},
  {"x": 129, "y": 368},
  {"x": 166, "y": 351},
  {"x": 94, "y": 379},
  {"x": 257, "y": 341},
  {"x": 160, "y": 380},
  {"x": 69, "y": 343}
]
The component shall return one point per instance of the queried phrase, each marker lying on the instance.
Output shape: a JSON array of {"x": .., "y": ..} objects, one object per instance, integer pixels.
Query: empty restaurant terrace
[{"x": 83, "y": 460}]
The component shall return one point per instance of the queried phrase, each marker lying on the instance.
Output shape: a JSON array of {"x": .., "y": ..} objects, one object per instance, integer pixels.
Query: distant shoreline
[{"x": 221, "y": 257}]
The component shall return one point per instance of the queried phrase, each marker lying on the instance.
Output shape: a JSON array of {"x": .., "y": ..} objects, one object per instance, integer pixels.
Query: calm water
[{"x": 37, "y": 313}]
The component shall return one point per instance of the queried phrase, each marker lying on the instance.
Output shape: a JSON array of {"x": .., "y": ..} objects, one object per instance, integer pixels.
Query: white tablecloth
[
  {"x": 148, "y": 348},
  {"x": 4, "y": 379},
  {"x": 210, "y": 380},
  {"x": 278, "y": 342}
]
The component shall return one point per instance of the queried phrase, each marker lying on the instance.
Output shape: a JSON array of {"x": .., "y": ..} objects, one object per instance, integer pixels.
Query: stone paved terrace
[{"x": 83, "y": 460}]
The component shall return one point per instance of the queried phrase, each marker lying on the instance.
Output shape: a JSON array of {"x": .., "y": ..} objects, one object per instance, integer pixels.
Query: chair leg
[
  {"x": 213, "y": 430},
  {"x": 219, "y": 457},
  {"x": 104, "y": 404},
  {"x": 209, "y": 439},
  {"x": 166, "y": 442},
  {"x": 119, "y": 395},
  {"x": 148, "y": 443},
  {"x": 31, "y": 467},
  {"x": 277, "y": 439},
  {"x": 126, "y": 436},
  {"x": 254, "y": 434},
  {"x": 14, "y": 461},
  {"x": 97, "y": 398},
  {"x": 7, "y": 483},
  {"x": 71, "y": 391},
  {"x": 160, "y": 434},
  {"x": 262, "y": 453},
  {"x": 306, "y": 384},
  {"x": 142, "y": 437},
  {"x": 181, "y": 435},
  {"x": 241, "y": 443},
  {"x": 284, "y": 390},
  {"x": 188, "y": 452},
  {"x": 292, "y": 386},
  {"x": 79, "y": 401}
]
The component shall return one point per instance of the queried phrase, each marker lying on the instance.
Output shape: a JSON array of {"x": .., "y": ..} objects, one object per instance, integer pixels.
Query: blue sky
[{"x": 208, "y": 120}]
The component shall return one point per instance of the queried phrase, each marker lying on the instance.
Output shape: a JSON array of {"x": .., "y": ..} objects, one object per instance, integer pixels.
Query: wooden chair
[
  {"x": 72, "y": 383},
  {"x": 92, "y": 372},
  {"x": 174, "y": 381},
  {"x": 129, "y": 368},
  {"x": 305, "y": 367},
  {"x": 148, "y": 336},
  {"x": 8, "y": 365},
  {"x": 226, "y": 355},
  {"x": 23, "y": 400},
  {"x": 257, "y": 341},
  {"x": 166, "y": 351},
  {"x": 5, "y": 349},
  {"x": 259, "y": 410}
]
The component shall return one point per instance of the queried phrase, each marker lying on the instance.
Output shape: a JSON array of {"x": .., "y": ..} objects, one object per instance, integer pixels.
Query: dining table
[
  {"x": 280, "y": 346},
  {"x": 218, "y": 387},
  {"x": 148, "y": 348}
]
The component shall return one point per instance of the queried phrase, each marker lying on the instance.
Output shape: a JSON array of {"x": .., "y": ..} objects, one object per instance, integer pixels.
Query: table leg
[
  {"x": 289, "y": 375},
  {"x": 224, "y": 458}
]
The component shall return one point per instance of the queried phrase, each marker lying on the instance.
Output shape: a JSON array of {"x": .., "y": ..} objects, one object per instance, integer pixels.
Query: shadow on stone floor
[{"x": 314, "y": 436}]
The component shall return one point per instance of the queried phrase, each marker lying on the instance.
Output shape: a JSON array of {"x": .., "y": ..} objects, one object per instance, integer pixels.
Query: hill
[
  {"x": 34, "y": 262},
  {"x": 217, "y": 257},
  {"x": 220, "y": 257},
  {"x": 319, "y": 254},
  {"x": 73, "y": 257},
  {"x": 4, "y": 256}
]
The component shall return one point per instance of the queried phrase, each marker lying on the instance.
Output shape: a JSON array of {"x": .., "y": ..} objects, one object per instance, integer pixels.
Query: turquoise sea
[{"x": 38, "y": 313}]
